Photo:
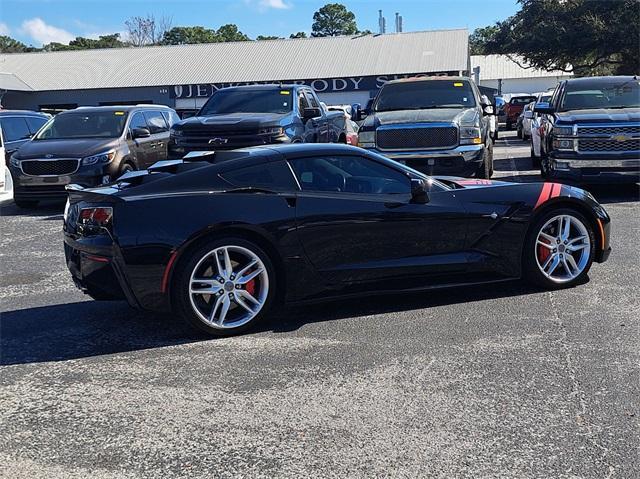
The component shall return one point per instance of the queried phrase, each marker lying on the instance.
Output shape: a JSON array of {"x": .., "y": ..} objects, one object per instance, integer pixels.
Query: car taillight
[{"x": 93, "y": 219}]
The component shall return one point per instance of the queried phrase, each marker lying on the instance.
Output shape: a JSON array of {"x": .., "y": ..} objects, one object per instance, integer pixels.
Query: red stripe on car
[
  {"x": 557, "y": 187},
  {"x": 167, "y": 270},
  {"x": 544, "y": 194}
]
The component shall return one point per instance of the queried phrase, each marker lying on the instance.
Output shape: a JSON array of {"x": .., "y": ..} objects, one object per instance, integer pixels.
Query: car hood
[
  {"x": 236, "y": 120},
  {"x": 468, "y": 116},
  {"x": 602, "y": 115},
  {"x": 76, "y": 148}
]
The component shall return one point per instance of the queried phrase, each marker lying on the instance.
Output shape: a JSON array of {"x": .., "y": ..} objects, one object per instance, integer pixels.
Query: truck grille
[
  {"x": 413, "y": 137},
  {"x": 49, "y": 167},
  {"x": 609, "y": 130},
  {"x": 608, "y": 145}
]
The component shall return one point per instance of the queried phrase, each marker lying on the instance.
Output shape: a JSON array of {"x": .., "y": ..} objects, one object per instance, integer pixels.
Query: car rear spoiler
[{"x": 102, "y": 194}]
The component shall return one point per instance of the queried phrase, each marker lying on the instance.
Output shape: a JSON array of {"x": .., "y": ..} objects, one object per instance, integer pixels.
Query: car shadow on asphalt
[
  {"x": 95, "y": 328},
  {"x": 51, "y": 210}
]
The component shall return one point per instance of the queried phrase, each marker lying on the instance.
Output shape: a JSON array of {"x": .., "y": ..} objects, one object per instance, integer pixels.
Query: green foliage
[
  {"x": 333, "y": 19},
  {"x": 11, "y": 45},
  {"x": 268, "y": 37},
  {"x": 584, "y": 36},
  {"x": 186, "y": 35},
  {"x": 480, "y": 37},
  {"x": 230, "y": 33},
  {"x": 298, "y": 35}
]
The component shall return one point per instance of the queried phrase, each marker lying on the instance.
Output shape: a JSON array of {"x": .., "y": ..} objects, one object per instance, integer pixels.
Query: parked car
[
  {"x": 514, "y": 107},
  {"x": 535, "y": 128},
  {"x": 253, "y": 115},
  {"x": 219, "y": 241},
  {"x": 89, "y": 146},
  {"x": 18, "y": 126},
  {"x": 499, "y": 107},
  {"x": 591, "y": 130},
  {"x": 437, "y": 125},
  {"x": 523, "y": 127}
]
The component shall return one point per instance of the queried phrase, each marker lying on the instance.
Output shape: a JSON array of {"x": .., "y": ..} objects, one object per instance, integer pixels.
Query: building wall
[
  {"x": 523, "y": 85},
  {"x": 37, "y": 100}
]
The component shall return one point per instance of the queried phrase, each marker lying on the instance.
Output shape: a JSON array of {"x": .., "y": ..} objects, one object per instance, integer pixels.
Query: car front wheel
[
  {"x": 225, "y": 287},
  {"x": 559, "y": 249}
]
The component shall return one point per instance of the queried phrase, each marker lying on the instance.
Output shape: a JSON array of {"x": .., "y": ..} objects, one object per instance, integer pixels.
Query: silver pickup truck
[{"x": 437, "y": 125}]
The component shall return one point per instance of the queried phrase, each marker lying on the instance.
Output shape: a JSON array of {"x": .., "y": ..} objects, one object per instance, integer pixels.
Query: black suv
[
  {"x": 591, "y": 130},
  {"x": 89, "y": 146}
]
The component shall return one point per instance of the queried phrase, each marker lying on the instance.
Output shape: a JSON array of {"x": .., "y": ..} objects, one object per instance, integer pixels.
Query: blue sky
[{"x": 41, "y": 21}]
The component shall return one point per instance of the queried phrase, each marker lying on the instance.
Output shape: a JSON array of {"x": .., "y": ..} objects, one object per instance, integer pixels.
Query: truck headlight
[
  {"x": 103, "y": 158},
  {"x": 367, "y": 139},
  {"x": 563, "y": 144},
  {"x": 15, "y": 162},
  {"x": 563, "y": 130},
  {"x": 174, "y": 132},
  {"x": 272, "y": 131},
  {"x": 470, "y": 135}
]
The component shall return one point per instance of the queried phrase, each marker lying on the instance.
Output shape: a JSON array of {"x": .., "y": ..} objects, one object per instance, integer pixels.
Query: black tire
[
  {"x": 530, "y": 269},
  {"x": 126, "y": 168},
  {"x": 180, "y": 285},
  {"x": 26, "y": 204},
  {"x": 535, "y": 160},
  {"x": 509, "y": 125},
  {"x": 485, "y": 170},
  {"x": 519, "y": 132},
  {"x": 544, "y": 166},
  {"x": 495, "y": 135}
]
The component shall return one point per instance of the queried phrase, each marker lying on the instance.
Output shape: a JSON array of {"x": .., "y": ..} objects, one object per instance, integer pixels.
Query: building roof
[
  {"x": 501, "y": 67},
  {"x": 9, "y": 81},
  {"x": 264, "y": 60}
]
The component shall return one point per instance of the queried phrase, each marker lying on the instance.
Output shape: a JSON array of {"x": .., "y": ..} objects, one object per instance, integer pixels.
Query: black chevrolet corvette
[{"x": 218, "y": 239}]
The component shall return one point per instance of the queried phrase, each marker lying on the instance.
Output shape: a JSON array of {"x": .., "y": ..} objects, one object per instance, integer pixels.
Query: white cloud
[
  {"x": 4, "y": 29},
  {"x": 37, "y": 29},
  {"x": 278, "y": 4}
]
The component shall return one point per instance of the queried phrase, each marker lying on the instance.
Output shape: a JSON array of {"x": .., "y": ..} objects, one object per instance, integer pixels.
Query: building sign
[{"x": 320, "y": 85}]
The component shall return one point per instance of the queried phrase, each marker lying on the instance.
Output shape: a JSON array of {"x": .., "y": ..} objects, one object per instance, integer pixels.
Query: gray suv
[{"x": 89, "y": 146}]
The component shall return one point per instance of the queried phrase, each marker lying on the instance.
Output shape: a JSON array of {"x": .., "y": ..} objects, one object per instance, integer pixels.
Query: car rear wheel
[
  {"x": 559, "y": 249},
  {"x": 225, "y": 287}
]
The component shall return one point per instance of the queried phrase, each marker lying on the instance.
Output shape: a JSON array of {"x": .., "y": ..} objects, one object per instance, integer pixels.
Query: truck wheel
[
  {"x": 535, "y": 160},
  {"x": 509, "y": 125},
  {"x": 485, "y": 170}
]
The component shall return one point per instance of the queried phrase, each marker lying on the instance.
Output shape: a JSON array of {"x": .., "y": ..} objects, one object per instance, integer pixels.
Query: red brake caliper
[
  {"x": 543, "y": 253},
  {"x": 250, "y": 287}
]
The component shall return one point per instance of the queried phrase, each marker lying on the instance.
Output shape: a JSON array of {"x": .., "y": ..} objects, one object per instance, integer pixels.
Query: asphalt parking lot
[{"x": 495, "y": 381}]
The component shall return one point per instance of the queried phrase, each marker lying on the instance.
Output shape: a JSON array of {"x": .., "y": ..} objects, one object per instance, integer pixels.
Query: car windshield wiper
[{"x": 251, "y": 189}]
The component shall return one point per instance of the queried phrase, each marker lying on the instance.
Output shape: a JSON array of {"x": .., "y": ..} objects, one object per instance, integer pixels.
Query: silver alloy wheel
[
  {"x": 562, "y": 248},
  {"x": 228, "y": 287}
]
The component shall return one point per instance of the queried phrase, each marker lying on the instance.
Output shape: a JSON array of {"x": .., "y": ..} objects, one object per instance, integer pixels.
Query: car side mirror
[
  {"x": 419, "y": 193},
  {"x": 140, "y": 133},
  {"x": 488, "y": 110},
  {"x": 528, "y": 114},
  {"x": 308, "y": 113},
  {"x": 543, "y": 107}
]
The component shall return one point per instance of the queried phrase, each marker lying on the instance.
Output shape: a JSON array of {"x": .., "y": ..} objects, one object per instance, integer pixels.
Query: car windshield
[
  {"x": 522, "y": 100},
  {"x": 594, "y": 95},
  {"x": 248, "y": 101},
  {"x": 107, "y": 124},
  {"x": 421, "y": 95}
]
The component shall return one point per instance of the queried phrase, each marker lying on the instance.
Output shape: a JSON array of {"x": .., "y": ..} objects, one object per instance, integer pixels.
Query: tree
[
  {"x": 82, "y": 43},
  {"x": 268, "y": 37},
  {"x": 146, "y": 30},
  {"x": 230, "y": 33},
  {"x": 186, "y": 35},
  {"x": 11, "y": 45},
  {"x": 581, "y": 36},
  {"x": 333, "y": 19},
  {"x": 298, "y": 35},
  {"x": 480, "y": 37}
]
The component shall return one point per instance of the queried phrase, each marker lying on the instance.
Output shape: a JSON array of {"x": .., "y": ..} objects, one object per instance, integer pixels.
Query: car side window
[
  {"x": 302, "y": 101},
  {"x": 35, "y": 123},
  {"x": 171, "y": 117},
  {"x": 312, "y": 99},
  {"x": 156, "y": 122},
  {"x": 274, "y": 176},
  {"x": 349, "y": 174},
  {"x": 138, "y": 121},
  {"x": 15, "y": 129}
]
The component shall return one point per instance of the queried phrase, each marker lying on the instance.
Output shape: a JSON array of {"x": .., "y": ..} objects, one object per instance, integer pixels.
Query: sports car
[{"x": 219, "y": 239}]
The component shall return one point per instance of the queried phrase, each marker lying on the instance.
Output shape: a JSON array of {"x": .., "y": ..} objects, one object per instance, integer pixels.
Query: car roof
[
  {"x": 22, "y": 113},
  {"x": 127, "y": 108},
  {"x": 431, "y": 78},
  {"x": 604, "y": 80}
]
